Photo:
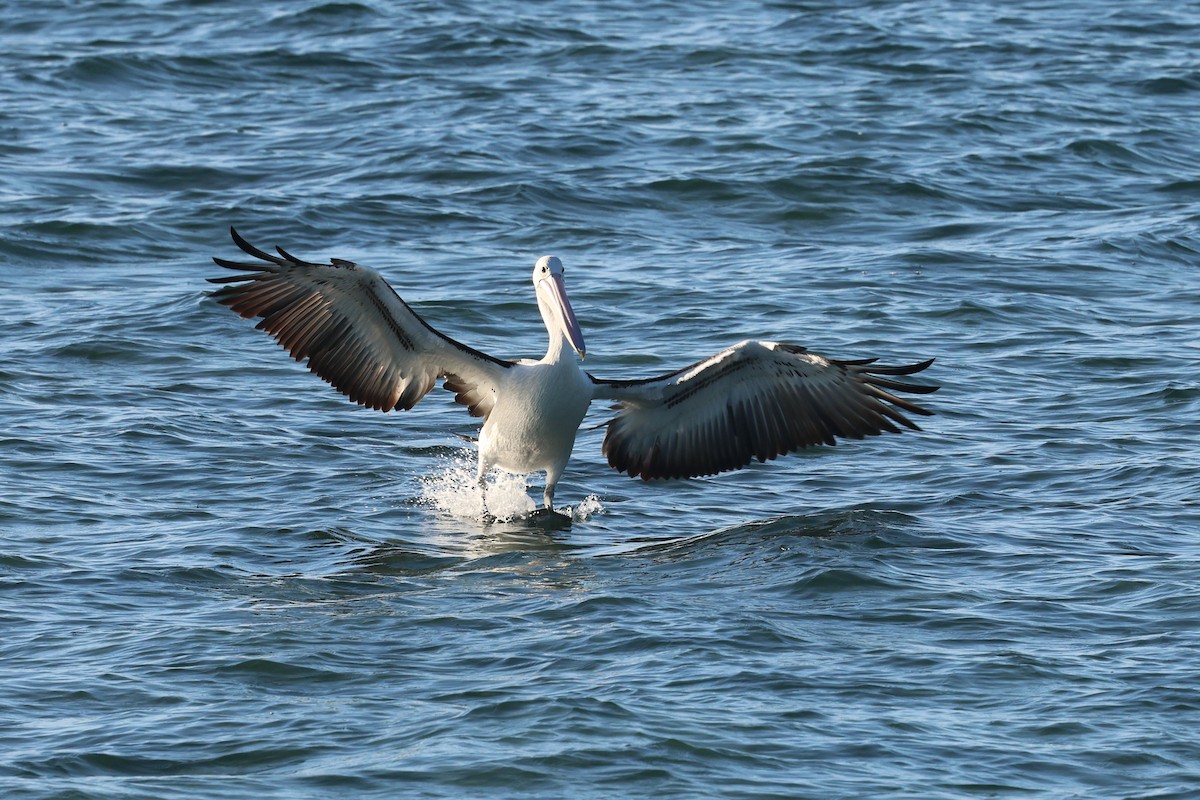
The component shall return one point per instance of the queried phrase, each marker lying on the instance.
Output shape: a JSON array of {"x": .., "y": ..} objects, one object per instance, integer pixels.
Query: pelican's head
[{"x": 552, "y": 300}]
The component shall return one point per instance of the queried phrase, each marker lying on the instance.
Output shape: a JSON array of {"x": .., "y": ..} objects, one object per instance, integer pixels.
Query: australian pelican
[{"x": 756, "y": 399}]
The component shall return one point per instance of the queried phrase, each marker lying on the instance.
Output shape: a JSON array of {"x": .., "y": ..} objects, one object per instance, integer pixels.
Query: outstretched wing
[
  {"x": 754, "y": 400},
  {"x": 355, "y": 331}
]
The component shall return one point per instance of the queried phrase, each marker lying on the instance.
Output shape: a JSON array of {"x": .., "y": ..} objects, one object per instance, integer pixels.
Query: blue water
[{"x": 220, "y": 580}]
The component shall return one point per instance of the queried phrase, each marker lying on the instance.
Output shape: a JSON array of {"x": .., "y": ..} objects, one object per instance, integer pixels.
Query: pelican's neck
[
  {"x": 558, "y": 343},
  {"x": 558, "y": 339}
]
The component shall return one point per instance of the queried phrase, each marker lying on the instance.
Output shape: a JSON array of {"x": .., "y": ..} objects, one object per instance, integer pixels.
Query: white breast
[{"x": 536, "y": 416}]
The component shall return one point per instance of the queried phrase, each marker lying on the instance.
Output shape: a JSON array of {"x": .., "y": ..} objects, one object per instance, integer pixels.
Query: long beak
[{"x": 566, "y": 314}]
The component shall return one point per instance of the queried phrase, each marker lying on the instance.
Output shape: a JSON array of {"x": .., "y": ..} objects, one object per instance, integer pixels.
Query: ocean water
[{"x": 218, "y": 579}]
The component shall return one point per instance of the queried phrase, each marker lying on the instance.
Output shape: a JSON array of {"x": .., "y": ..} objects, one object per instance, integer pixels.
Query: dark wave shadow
[{"x": 872, "y": 528}]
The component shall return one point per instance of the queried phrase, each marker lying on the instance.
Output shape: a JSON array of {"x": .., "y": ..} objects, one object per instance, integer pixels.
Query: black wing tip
[
  {"x": 272, "y": 262},
  {"x": 882, "y": 376},
  {"x": 920, "y": 366},
  {"x": 869, "y": 365},
  {"x": 250, "y": 249},
  {"x": 912, "y": 369},
  {"x": 241, "y": 266},
  {"x": 239, "y": 240},
  {"x": 230, "y": 279}
]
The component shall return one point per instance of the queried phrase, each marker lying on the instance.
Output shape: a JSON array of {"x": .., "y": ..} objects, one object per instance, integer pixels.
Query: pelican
[{"x": 756, "y": 399}]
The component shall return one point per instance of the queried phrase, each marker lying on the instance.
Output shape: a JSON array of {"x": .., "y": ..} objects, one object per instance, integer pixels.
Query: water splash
[
  {"x": 588, "y": 507},
  {"x": 452, "y": 490}
]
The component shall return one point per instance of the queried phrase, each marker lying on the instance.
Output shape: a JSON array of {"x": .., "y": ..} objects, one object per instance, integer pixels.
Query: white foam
[
  {"x": 588, "y": 507},
  {"x": 452, "y": 490}
]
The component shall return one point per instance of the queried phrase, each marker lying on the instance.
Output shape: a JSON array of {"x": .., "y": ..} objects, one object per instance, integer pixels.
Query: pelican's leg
[
  {"x": 552, "y": 475},
  {"x": 481, "y": 481}
]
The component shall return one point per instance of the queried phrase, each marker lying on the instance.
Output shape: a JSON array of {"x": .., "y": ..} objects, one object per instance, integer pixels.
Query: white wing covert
[
  {"x": 754, "y": 400},
  {"x": 355, "y": 331}
]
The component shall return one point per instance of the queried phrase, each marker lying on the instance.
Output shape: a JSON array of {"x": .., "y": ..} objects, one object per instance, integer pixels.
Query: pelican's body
[
  {"x": 756, "y": 399},
  {"x": 533, "y": 425}
]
